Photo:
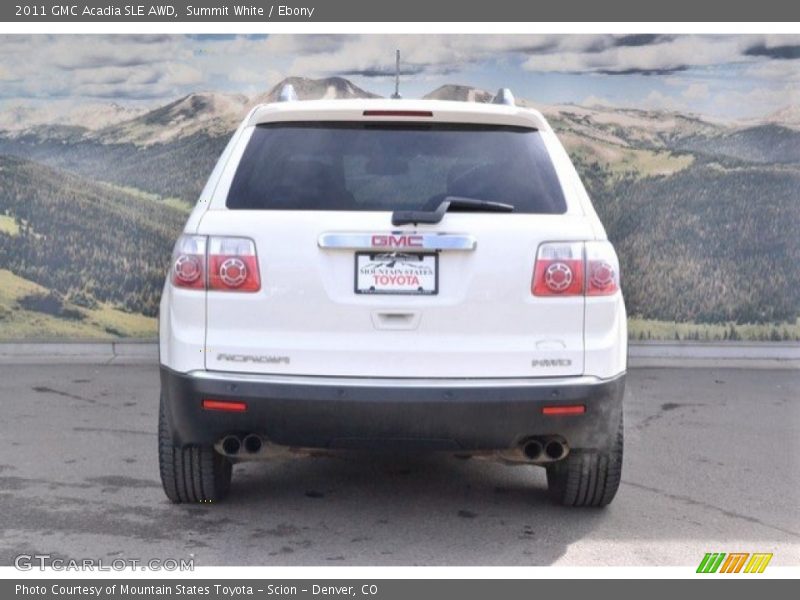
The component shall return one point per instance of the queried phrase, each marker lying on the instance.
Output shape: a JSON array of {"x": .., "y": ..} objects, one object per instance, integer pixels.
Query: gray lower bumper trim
[{"x": 316, "y": 412}]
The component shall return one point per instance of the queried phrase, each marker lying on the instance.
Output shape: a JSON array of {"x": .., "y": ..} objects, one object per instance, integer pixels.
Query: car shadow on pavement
[{"x": 435, "y": 509}]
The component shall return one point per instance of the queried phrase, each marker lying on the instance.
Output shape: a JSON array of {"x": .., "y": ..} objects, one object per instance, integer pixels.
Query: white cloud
[
  {"x": 179, "y": 74},
  {"x": 777, "y": 70},
  {"x": 162, "y": 67},
  {"x": 696, "y": 91},
  {"x": 664, "y": 56},
  {"x": 428, "y": 53},
  {"x": 597, "y": 101},
  {"x": 758, "y": 101},
  {"x": 656, "y": 100},
  {"x": 254, "y": 80}
]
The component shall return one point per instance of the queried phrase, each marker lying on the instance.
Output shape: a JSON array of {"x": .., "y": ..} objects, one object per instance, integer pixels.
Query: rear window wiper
[{"x": 403, "y": 217}]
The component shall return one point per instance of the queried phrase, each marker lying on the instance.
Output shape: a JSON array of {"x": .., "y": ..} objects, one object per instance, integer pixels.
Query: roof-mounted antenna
[
  {"x": 396, "y": 94},
  {"x": 504, "y": 96},
  {"x": 287, "y": 93}
]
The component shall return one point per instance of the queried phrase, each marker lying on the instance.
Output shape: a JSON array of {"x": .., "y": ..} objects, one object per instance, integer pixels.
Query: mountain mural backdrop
[{"x": 705, "y": 215}]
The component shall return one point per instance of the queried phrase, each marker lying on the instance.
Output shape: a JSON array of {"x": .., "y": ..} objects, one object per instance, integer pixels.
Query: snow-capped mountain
[
  {"x": 329, "y": 88},
  {"x": 461, "y": 93},
  {"x": 788, "y": 116},
  {"x": 90, "y": 116},
  {"x": 613, "y": 125},
  {"x": 208, "y": 112},
  {"x": 216, "y": 114}
]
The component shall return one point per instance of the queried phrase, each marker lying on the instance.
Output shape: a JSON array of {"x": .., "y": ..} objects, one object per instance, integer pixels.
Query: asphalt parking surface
[{"x": 712, "y": 464}]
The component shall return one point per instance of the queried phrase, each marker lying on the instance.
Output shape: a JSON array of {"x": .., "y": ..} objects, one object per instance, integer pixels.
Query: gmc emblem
[{"x": 397, "y": 241}]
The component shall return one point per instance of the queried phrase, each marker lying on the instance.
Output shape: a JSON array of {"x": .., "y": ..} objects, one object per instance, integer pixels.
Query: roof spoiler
[{"x": 504, "y": 96}]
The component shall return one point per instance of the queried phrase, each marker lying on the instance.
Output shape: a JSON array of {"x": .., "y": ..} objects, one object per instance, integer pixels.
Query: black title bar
[{"x": 464, "y": 11}]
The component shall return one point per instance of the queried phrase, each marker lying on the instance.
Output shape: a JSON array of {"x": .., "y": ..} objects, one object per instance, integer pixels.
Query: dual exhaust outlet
[
  {"x": 233, "y": 445},
  {"x": 544, "y": 449}
]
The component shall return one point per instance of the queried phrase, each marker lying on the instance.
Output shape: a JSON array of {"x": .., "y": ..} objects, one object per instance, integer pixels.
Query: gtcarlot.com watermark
[{"x": 29, "y": 562}]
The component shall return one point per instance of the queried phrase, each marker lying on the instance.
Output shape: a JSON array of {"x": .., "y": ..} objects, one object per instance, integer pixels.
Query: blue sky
[{"x": 721, "y": 76}]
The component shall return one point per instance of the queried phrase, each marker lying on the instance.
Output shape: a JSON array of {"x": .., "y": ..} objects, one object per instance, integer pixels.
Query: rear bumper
[{"x": 332, "y": 412}]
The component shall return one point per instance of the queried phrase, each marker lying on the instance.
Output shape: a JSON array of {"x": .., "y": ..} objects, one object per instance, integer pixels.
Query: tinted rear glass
[{"x": 390, "y": 166}]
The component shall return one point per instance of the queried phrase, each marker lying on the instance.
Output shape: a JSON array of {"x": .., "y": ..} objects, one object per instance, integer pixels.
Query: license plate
[{"x": 397, "y": 273}]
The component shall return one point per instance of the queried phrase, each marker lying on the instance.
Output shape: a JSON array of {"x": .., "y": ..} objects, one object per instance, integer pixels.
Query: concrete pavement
[{"x": 712, "y": 464}]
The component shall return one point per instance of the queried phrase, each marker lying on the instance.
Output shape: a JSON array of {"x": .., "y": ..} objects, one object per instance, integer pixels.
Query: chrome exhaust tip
[
  {"x": 231, "y": 445},
  {"x": 554, "y": 450},
  {"x": 532, "y": 449},
  {"x": 252, "y": 443}
]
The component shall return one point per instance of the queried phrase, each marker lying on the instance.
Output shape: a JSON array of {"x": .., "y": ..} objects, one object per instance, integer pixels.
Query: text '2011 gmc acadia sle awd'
[{"x": 423, "y": 275}]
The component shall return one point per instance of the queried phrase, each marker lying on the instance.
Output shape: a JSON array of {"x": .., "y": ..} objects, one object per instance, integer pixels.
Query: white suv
[{"x": 393, "y": 273}]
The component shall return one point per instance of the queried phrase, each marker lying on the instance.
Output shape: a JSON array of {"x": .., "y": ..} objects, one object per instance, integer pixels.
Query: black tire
[
  {"x": 190, "y": 473},
  {"x": 587, "y": 477}
]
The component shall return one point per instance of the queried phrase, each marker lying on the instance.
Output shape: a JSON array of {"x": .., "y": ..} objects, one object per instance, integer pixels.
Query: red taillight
[
  {"x": 602, "y": 269},
  {"x": 189, "y": 262},
  {"x": 559, "y": 270},
  {"x": 558, "y": 278},
  {"x": 567, "y": 409},
  {"x": 224, "y": 405},
  {"x": 232, "y": 265},
  {"x": 575, "y": 268},
  {"x": 215, "y": 263},
  {"x": 233, "y": 273}
]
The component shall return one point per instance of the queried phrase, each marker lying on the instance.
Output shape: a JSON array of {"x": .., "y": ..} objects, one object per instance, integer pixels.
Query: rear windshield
[{"x": 391, "y": 166}]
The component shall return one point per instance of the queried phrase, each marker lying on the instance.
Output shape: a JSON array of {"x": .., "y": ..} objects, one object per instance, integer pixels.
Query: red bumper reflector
[
  {"x": 227, "y": 405},
  {"x": 567, "y": 409}
]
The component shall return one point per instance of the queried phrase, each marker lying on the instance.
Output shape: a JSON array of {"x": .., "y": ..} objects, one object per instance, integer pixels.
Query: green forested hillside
[
  {"x": 708, "y": 244},
  {"x": 175, "y": 169},
  {"x": 765, "y": 144},
  {"x": 83, "y": 239}
]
